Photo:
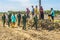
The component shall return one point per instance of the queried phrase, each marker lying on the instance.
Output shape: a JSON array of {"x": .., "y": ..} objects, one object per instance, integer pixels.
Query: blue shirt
[
  {"x": 52, "y": 13},
  {"x": 13, "y": 18}
]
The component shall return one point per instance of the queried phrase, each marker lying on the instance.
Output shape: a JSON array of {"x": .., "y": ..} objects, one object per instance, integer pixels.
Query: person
[
  {"x": 27, "y": 11},
  {"x": 9, "y": 19},
  {"x": 6, "y": 19},
  {"x": 24, "y": 21},
  {"x": 32, "y": 11},
  {"x": 36, "y": 10},
  {"x": 3, "y": 19},
  {"x": 13, "y": 20},
  {"x": 19, "y": 18},
  {"x": 41, "y": 16},
  {"x": 35, "y": 21},
  {"x": 52, "y": 14}
]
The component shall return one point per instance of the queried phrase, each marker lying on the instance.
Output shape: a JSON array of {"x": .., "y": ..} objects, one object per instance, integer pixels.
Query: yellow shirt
[{"x": 36, "y": 11}]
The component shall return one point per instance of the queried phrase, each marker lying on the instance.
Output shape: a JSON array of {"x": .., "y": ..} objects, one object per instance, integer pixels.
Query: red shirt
[{"x": 41, "y": 10}]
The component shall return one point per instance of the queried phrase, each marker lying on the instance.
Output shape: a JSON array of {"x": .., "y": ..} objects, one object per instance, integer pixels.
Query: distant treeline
[
  {"x": 46, "y": 11},
  {"x": 56, "y": 12}
]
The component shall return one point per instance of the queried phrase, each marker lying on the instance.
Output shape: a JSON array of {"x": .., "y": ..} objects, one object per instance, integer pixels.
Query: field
[{"x": 17, "y": 33}]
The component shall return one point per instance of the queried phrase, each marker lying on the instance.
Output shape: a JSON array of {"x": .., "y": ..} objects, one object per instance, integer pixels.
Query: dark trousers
[
  {"x": 3, "y": 23},
  {"x": 28, "y": 16},
  {"x": 52, "y": 17},
  {"x": 35, "y": 24},
  {"x": 24, "y": 25},
  {"x": 9, "y": 22},
  {"x": 41, "y": 16},
  {"x": 32, "y": 13},
  {"x": 18, "y": 22}
]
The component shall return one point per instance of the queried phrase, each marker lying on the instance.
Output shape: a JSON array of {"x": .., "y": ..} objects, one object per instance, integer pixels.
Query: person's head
[
  {"x": 26, "y": 8},
  {"x": 19, "y": 12},
  {"x": 40, "y": 6},
  {"x": 51, "y": 9},
  {"x": 13, "y": 13},
  {"x": 36, "y": 6},
  {"x": 32, "y": 6},
  {"x": 3, "y": 13}
]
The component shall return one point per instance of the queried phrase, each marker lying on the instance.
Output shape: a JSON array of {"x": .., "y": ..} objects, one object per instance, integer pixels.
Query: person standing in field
[
  {"x": 41, "y": 16},
  {"x": 4, "y": 20},
  {"x": 32, "y": 11},
  {"x": 35, "y": 21},
  {"x": 36, "y": 10},
  {"x": 52, "y": 14},
  {"x": 19, "y": 18},
  {"x": 28, "y": 12},
  {"x": 9, "y": 19},
  {"x": 13, "y": 20},
  {"x": 24, "y": 21}
]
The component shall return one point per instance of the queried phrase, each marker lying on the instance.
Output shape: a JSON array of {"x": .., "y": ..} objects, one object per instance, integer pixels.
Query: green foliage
[{"x": 57, "y": 12}]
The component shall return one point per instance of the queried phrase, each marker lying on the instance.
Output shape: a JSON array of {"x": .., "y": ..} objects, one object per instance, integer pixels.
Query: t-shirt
[
  {"x": 36, "y": 10},
  {"x": 52, "y": 13},
  {"x": 24, "y": 18},
  {"x": 19, "y": 16},
  {"x": 33, "y": 10},
  {"x": 41, "y": 10},
  {"x": 13, "y": 18}
]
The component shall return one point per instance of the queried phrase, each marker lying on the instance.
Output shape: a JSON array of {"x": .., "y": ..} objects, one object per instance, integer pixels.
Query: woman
[
  {"x": 41, "y": 13},
  {"x": 13, "y": 20},
  {"x": 28, "y": 11}
]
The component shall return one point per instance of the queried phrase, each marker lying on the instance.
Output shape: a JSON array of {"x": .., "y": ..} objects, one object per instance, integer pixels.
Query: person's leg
[
  {"x": 3, "y": 23},
  {"x": 29, "y": 15},
  {"x": 33, "y": 25},
  {"x": 48, "y": 17},
  {"x": 39, "y": 16},
  {"x": 14, "y": 24},
  {"x": 52, "y": 18},
  {"x": 43, "y": 16},
  {"x": 25, "y": 26},
  {"x": 8, "y": 24},
  {"x": 36, "y": 25},
  {"x": 18, "y": 22}
]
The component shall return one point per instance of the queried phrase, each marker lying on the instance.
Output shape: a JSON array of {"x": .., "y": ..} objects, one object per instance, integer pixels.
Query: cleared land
[{"x": 7, "y": 33}]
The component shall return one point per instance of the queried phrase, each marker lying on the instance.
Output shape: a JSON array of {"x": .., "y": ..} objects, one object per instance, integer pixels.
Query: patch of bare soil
[{"x": 17, "y": 34}]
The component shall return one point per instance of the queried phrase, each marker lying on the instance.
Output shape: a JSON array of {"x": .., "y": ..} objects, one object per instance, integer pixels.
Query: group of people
[{"x": 11, "y": 18}]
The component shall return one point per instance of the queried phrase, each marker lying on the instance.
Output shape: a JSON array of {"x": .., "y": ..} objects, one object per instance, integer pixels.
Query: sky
[{"x": 19, "y": 5}]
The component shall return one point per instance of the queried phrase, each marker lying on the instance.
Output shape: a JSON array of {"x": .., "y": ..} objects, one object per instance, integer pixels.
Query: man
[
  {"x": 36, "y": 10},
  {"x": 3, "y": 19},
  {"x": 41, "y": 16},
  {"x": 9, "y": 19},
  {"x": 24, "y": 21},
  {"x": 28, "y": 11},
  {"x": 32, "y": 11},
  {"x": 6, "y": 19},
  {"x": 35, "y": 21},
  {"x": 52, "y": 14},
  {"x": 19, "y": 18}
]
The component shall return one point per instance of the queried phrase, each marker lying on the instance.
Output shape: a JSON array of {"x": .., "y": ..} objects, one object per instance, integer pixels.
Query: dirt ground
[
  {"x": 18, "y": 34},
  {"x": 7, "y": 33}
]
